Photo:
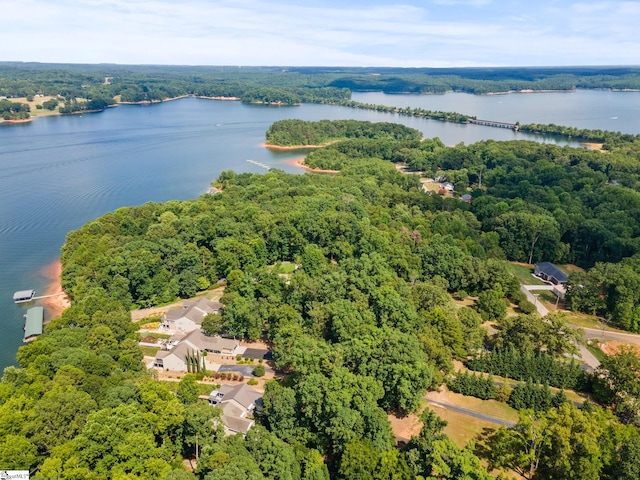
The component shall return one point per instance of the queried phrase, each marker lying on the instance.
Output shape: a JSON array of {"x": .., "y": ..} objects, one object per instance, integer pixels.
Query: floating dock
[
  {"x": 24, "y": 296},
  {"x": 34, "y": 319}
]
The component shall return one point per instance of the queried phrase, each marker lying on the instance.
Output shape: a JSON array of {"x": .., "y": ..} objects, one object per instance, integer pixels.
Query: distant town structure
[{"x": 550, "y": 273}]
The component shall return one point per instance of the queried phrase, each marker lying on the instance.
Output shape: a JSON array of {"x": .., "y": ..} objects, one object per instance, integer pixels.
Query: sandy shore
[
  {"x": 279, "y": 148},
  {"x": 592, "y": 145},
  {"x": 54, "y": 305},
  {"x": 300, "y": 163}
]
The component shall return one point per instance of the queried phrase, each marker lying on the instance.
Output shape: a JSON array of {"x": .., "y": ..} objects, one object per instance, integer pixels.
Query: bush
[
  {"x": 259, "y": 371},
  {"x": 527, "y": 307},
  {"x": 503, "y": 393},
  {"x": 252, "y": 381}
]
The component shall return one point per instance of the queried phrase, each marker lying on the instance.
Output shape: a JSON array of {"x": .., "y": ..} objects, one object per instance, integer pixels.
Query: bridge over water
[{"x": 491, "y": 123}]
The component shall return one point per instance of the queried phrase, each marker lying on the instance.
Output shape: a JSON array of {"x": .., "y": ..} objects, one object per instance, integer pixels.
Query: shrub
[
  {"x": 252, "y": 381},
  {"x": 259, "y": 371},
  {"x": 238, "y": 357},
  {"x": 503, "y": 393}
]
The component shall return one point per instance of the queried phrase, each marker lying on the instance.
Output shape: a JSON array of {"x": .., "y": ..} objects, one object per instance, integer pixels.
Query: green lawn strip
[
  {"x": 149, "y": 351},
  {"x": 154, "y": 335},
  {"x": 463, "y": 428},
  {"x": 596, "y": 352},
  {"x": 492, "y": 408},
  {"x": 524, "y": 274}
]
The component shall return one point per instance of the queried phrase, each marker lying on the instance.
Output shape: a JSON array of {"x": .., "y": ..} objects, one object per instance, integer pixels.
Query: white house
[
  {"x": 190, "y": 316},
  {"x": 237, "y": 404}
]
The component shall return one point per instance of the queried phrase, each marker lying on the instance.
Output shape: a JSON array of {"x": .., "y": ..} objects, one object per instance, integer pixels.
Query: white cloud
[{"x": 252, "y": 32}]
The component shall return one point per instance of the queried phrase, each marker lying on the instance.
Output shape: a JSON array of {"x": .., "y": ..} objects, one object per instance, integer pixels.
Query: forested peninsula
[{"x": 393, "y": 294}]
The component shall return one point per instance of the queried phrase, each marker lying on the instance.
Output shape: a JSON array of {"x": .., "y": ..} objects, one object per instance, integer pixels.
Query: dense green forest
[{"x": 363, "y": 327}]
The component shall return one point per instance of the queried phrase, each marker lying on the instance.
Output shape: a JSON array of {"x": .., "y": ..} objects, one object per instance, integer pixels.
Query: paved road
[
  {"x": 542, "y": 310},
  {"x": 471, "y": 413},
  {"x": 600, "y": 334},
  {"x": 587, "y": 357}
]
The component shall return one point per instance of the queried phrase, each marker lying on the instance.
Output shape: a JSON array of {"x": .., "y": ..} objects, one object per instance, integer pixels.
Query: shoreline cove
[{"x": 54, "y": 306}]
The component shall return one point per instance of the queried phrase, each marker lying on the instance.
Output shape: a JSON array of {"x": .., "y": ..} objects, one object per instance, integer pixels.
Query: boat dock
[
  {"x": 34, "y": 319},
  {"x": 259, "y": 164},
  {"x": 24, "y": 296}
]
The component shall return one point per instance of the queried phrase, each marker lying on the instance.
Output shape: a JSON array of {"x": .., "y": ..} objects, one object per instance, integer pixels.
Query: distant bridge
[{"x": 491, "y": 123}]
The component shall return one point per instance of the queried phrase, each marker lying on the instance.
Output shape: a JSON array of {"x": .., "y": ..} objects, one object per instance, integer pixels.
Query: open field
[
  {"x": 35, "y": 112},
  {"x": 524, "y": 273},
  {"x": 491, "y": 408}
]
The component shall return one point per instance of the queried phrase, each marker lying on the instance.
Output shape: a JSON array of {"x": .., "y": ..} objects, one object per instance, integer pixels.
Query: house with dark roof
[
  {"x": 190, "y": 316},
  {"x": 237, "y": 404},
  {"x": 550, "y": 273}
]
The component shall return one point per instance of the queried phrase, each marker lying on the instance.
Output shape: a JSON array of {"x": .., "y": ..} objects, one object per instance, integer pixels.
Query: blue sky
[{"x": 428, "y": 33}]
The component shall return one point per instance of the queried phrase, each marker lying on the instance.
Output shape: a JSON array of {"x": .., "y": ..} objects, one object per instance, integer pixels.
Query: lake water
[
  {"x": 57, "y": 173},
  {"x": 592, "y": 109}
]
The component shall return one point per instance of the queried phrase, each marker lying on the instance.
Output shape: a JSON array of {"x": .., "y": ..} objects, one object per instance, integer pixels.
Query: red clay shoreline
[{"x": 59, "y": 303}]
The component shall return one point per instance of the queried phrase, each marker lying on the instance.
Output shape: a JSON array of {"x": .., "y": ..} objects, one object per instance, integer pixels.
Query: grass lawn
[
  {"x": 463, "y": 428},
  {"x": 284, "y": 267},
  {"x": 524, "y": 273},
  {"x": 492, "y": 408},
  {"x": 155, "y": 335},
  {"x": 150, "y": 351},
  {"x": 599, "y": 354}
]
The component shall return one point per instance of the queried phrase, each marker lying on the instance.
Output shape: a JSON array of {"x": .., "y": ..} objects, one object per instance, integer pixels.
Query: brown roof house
[
  {"x": 189, "y": 317},
  {"x": 237, "y": 404},
  {"x": 194, "y": 343}
]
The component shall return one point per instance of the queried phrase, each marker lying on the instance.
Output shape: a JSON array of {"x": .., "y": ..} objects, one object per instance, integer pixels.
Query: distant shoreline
[{"x": 289, "y": 148}]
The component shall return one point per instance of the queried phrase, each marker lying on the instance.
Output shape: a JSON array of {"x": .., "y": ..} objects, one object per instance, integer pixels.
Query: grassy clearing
[
  {"x": 284, "y": 267},
  {"x": 492, "y": 408},
  {"x": 524, "y": 273},
  {"x": 463, "y": 428},
  {"x": 149, "y": 351},
  {"x": 155, "y": 335}
]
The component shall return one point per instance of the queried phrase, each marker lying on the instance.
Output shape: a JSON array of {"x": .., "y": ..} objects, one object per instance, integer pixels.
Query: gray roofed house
[
  {"x": 551, "y": 273},
  {"x": 237, "y": 404},
  {"x": 194, "y": 342},
  {"x": 190, "y": 316},
  {"x": 212, "y": 344}
]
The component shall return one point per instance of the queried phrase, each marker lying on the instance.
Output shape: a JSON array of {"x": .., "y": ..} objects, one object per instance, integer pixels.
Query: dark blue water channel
[{"x": 57, "y": 173}]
